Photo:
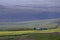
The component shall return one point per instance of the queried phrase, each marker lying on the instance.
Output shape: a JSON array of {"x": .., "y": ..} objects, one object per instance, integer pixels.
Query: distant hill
[
  {"x": 25, "y": 13},
  {"x": 50, "y": 23}
]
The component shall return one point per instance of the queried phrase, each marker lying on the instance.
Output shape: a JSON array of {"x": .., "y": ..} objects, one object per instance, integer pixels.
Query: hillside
[{"x": 50, "y": 23}]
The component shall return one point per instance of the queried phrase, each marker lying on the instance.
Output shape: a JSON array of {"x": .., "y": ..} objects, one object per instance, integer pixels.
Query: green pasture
[
  {"x": 2, "y": 33},
  {"x": 50, "y": 34}
]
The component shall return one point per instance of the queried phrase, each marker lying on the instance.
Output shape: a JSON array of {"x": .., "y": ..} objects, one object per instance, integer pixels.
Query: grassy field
[
  {"x": 28, "y": 31},
  {"x": 51, "y": 34}
]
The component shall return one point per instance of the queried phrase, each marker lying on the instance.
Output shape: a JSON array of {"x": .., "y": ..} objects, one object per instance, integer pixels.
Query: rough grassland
[
  {"x": 2, "y": 33},
  {"x": 51, "y": 34}
]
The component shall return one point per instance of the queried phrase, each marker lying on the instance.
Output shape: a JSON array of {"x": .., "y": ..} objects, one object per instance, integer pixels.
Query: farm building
[{"x": 36, "y": 28}]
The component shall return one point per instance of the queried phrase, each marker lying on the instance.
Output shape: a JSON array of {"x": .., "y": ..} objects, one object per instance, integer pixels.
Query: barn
[{"x": 37, "y": 28}]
